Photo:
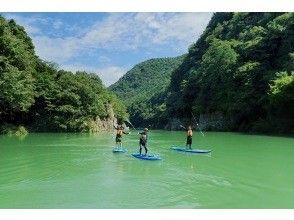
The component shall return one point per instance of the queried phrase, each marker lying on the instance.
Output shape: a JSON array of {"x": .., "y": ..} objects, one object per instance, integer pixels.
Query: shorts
[
  {"x": 118, "y": 139},
  {"x": 189, "y": 140},
  {"x": 142, "y": 143}
]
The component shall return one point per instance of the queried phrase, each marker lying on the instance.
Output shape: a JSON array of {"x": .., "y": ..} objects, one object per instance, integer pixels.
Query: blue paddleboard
[
  {"x": 147, "y": 157},
  {"x": 119, "y": 150},
  {"x": 196, "y": 151}
]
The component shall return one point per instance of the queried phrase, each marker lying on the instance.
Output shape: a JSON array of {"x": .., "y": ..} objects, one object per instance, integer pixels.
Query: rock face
[
  {"x": 175, "y": 123},
  {"x": 103, "y": 124},
  {"x": 211, "y": 121}
]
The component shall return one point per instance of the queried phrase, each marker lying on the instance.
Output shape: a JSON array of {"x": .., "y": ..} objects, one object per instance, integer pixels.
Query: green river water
[{"x": 48, "y": 170}]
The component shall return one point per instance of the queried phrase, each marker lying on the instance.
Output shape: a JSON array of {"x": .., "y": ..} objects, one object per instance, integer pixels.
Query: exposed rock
[
  {"x": 175, "y": 123},
  {"x": 105, "y": 124},
  {"x": 211, "y": 121},
  {"x": 102, "y": 124}
]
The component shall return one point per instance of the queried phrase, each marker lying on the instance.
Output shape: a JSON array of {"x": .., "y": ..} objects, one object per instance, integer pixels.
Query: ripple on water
[
  {"x": 29, "y": 172},
  {"x": 184, "y": 187}
]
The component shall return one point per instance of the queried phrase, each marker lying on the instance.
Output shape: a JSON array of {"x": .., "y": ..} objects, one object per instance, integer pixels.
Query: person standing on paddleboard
[
  {"x": 143, "y": 141},
  {"x": 119, "y": 132},
  {"x": 189, "y": 137}
]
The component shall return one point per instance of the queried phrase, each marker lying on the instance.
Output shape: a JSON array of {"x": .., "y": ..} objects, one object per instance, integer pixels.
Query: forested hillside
[
  {"x": 38, "y": 96},
  {"x": 143, "y": 89},
  {"x": 242, "y": 67}
]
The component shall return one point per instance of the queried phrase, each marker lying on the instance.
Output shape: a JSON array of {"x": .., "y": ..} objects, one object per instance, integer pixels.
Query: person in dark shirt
[{"x": 143, "y": 141}]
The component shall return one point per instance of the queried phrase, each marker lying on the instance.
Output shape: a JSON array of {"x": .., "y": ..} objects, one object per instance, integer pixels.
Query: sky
[{"x": 110, "y": 44}]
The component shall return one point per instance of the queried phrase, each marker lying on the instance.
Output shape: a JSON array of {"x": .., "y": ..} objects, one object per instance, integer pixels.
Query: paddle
[
  {"x": 182, "y": 127},
  {"x": 131, "y": 124},
  {"x": 197, "y": 124},
  {"x": 113, "y": 131}
]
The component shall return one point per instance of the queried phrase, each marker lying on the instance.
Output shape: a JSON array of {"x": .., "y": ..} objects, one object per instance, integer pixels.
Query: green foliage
[
  {"x": 230, "y": 70},
  {"x": 281, "y": 97},
  {"x": 37, "y": 94},
  {"x": 17, "y": 62},
  {"x": 21, "y": 131},
  {"x": 142, "y": 89},
  {"x": 16, "y": 90},
  {"x": 72, "y": 102},
  {"x": 10, "y": 129},
  {"x": 220, "y": 56},
  {"x": 282, "y": 89}
]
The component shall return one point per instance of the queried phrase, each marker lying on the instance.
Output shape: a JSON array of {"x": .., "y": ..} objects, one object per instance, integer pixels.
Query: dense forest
[
  {"x": 37, "y": 96},
  {"x": 143, "y": 89},
  {"x": 242, "y": 68}
]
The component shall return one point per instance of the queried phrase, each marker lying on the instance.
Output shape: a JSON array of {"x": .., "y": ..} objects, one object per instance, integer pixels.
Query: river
[{"x": 50, "y": 170}]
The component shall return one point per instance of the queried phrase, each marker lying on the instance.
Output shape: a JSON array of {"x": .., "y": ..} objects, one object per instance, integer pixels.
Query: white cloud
[
  {"x": 58, "y": 50},
  {"x": 104, "y": 59},
  {"x": 120, "y": 31},
  {"x": 57, "y": 24},
  {"x": 109, "y": 75},
  {"x": 185, "y": 27},
  {"x": 140, "y": 30}
]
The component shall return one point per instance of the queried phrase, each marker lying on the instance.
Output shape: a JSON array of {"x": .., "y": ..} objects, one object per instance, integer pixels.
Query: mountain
[
  {"x": 142, "y": 89},
  {"x": 240, "y": 73}
]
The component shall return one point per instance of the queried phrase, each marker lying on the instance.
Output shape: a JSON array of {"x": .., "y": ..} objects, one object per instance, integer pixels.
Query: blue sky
[{"x": 109, "y": 44}]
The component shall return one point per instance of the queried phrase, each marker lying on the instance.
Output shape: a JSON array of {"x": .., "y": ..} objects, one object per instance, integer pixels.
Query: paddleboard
[
  {"x": 119, "y": 150},
  {"x": 147, "y": 157},
  {"x": 184, "y": 149}
]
